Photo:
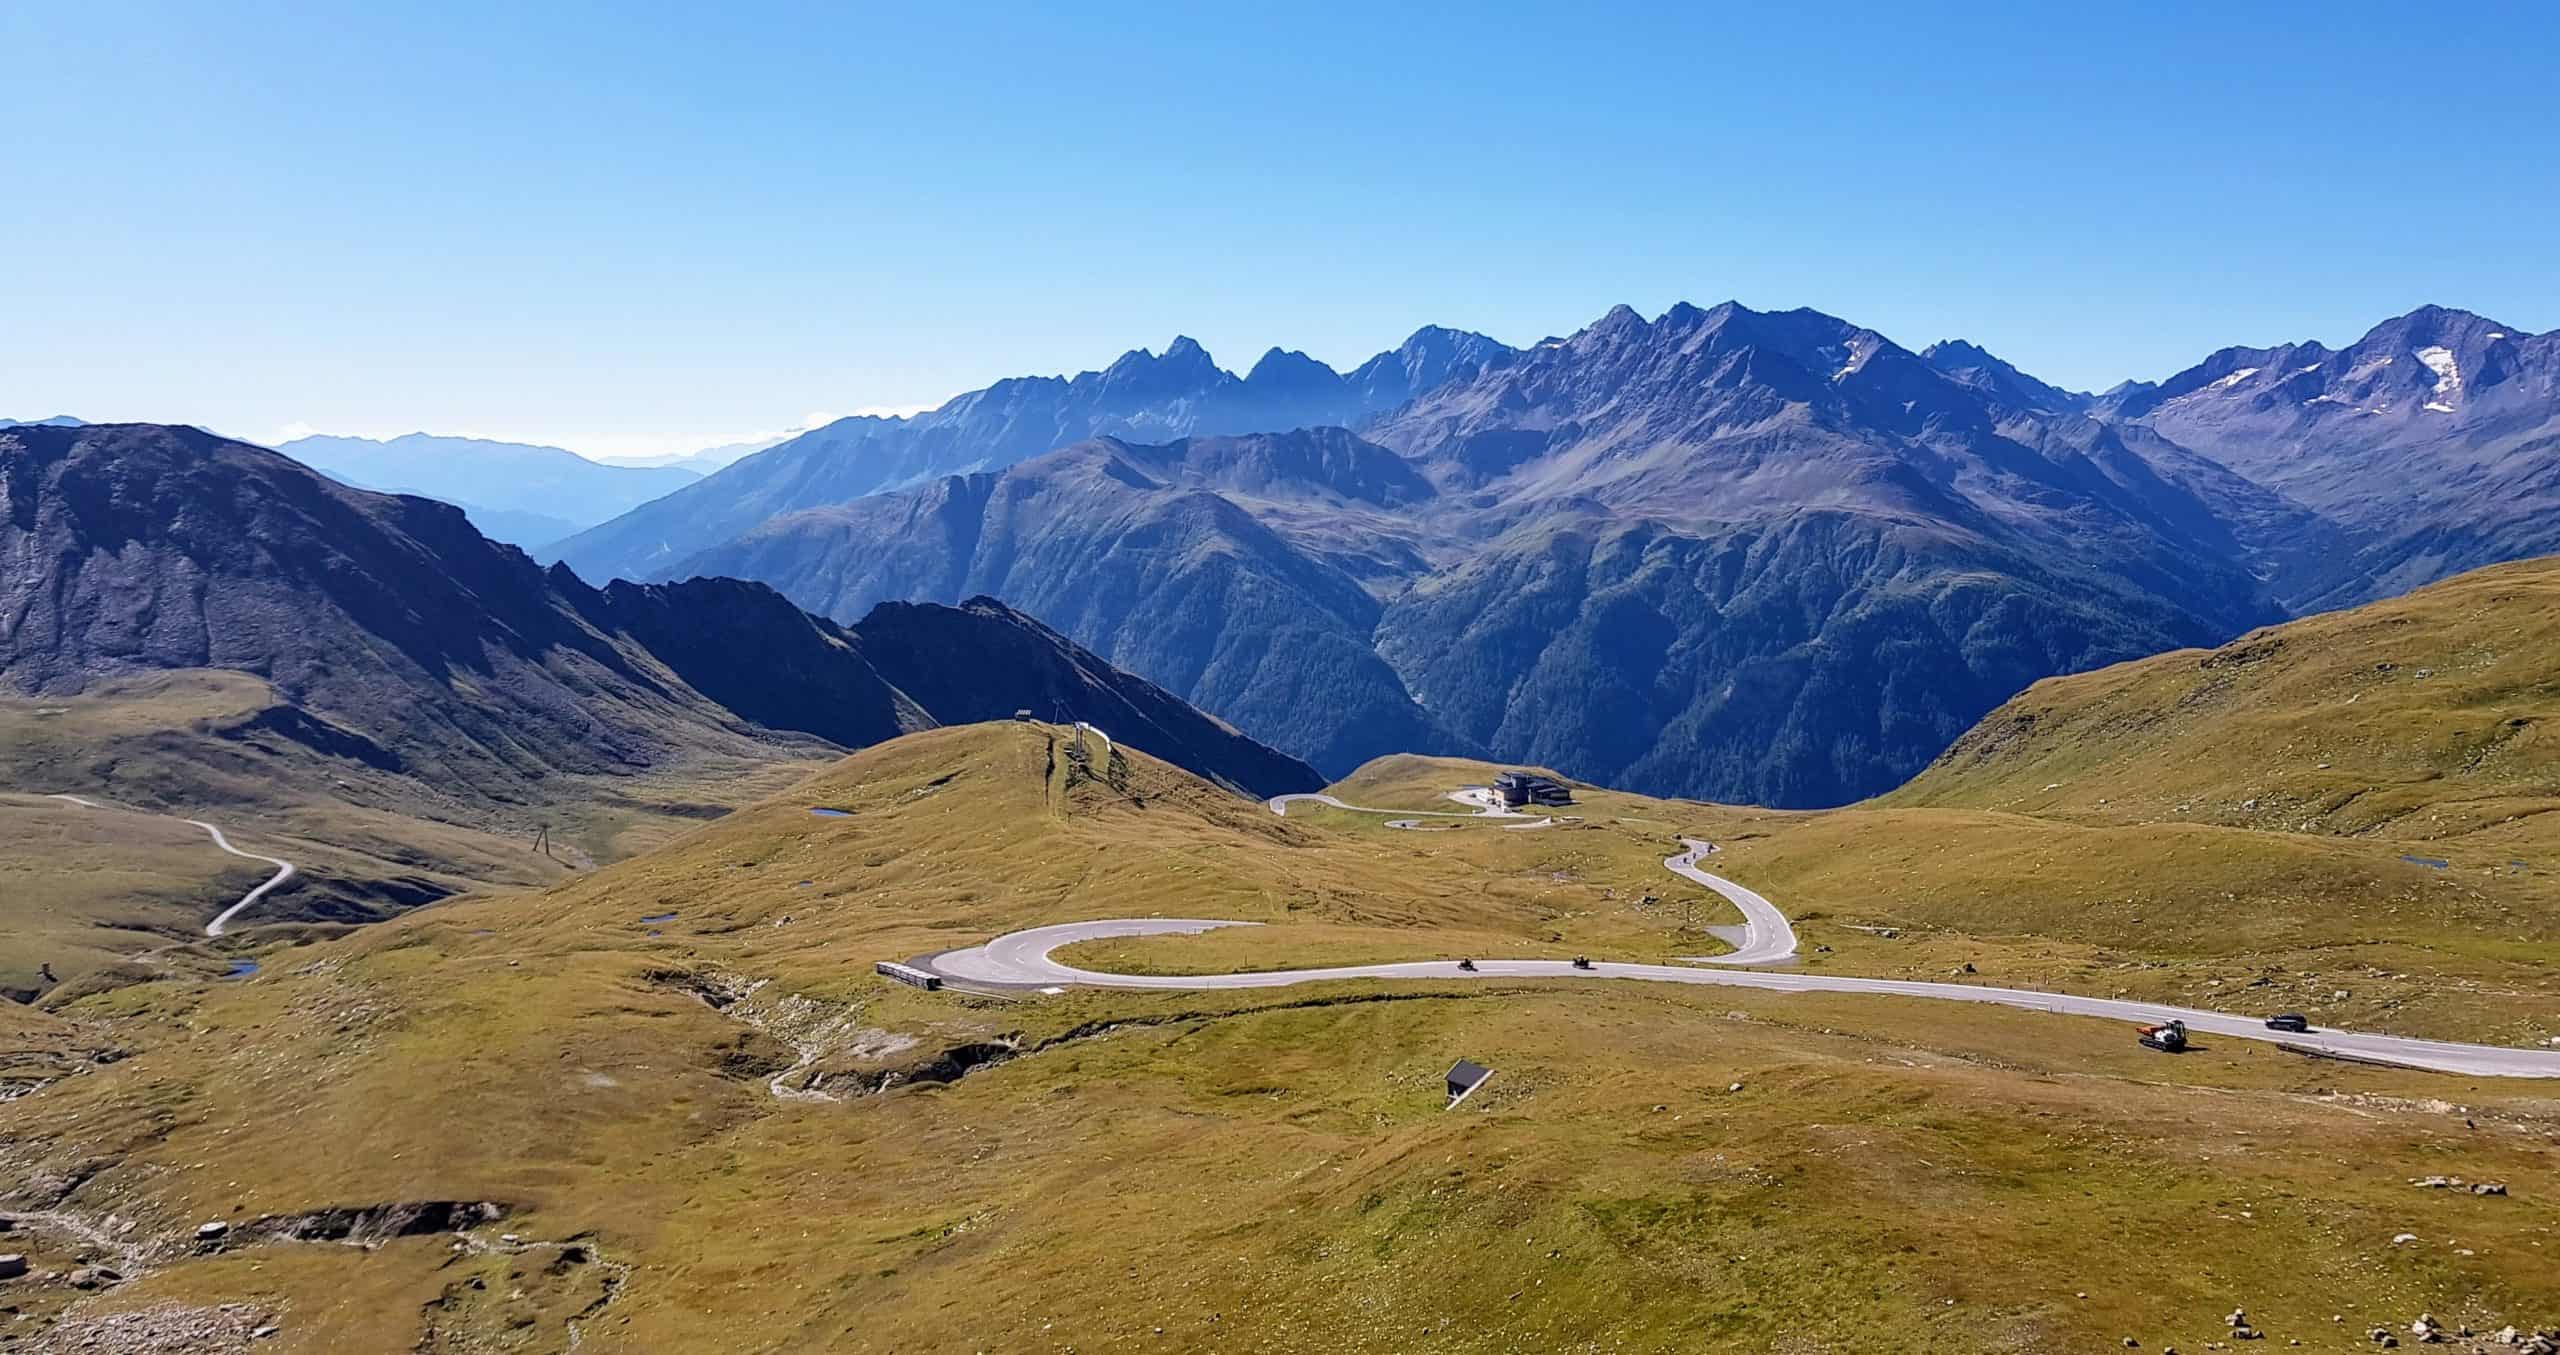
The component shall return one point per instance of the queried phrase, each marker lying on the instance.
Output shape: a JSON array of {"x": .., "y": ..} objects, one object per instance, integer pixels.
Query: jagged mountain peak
[
  {"x": 1435, "y": 337},
  {"x": 2431, "y": 365},
  {"x": 1973, "y": 365},
  {"x": 1430, "y": 357},
  {"x": 1288, "y": 369},
  {"x": 1622, "y": 320},
  {"x": 1797, "y": 352},
  {"x": 1182, "y": 358},
  {"x": 1958, "y": 350}
]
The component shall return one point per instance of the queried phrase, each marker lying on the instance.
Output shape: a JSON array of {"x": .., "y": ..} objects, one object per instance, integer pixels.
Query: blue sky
[{"x": 645, "y": 228}]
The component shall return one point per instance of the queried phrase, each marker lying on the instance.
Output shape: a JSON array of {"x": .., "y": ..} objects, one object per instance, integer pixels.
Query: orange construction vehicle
[{"x": 2168, "y": 1039}]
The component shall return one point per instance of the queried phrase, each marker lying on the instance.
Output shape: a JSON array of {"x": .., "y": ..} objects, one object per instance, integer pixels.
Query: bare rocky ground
[{"x": 159, "y": 1329}]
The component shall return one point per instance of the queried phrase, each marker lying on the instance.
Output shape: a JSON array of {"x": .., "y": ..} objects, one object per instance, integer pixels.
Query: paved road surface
[
  {"x": 222, "y": 920},
  {"x": 1023, "y": 958},
  {"x": 1280, "y": 805},
  {"x": 1767, "y": 937}
]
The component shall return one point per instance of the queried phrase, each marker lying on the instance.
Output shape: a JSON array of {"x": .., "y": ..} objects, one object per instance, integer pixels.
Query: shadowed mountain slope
[
  {"x": 984, "y": 661},
  {"x": 1151, "y": 556},
  {"x": 135, "y": 548}
]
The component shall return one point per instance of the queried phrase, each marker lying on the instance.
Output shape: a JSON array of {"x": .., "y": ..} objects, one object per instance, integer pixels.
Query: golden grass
[
  {"x": 2424, "y": 718},
  {"x": 89, "y": 890},
  {"x": 1251, "y": 1171}
]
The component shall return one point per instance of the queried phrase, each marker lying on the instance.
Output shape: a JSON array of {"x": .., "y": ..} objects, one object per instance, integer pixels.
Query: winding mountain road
[
  {"x": 1767, "y": 938},
  {"x": 222, "y": 920},
  {"x": 1022, "y": 959}
]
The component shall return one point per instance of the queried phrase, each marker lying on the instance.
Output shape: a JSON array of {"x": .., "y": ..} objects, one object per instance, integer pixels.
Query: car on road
[{"x": 2292, "y": 1021}]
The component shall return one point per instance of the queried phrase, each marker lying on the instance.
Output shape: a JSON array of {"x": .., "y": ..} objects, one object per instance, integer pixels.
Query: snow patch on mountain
[{"x": 2448, "y": 377}]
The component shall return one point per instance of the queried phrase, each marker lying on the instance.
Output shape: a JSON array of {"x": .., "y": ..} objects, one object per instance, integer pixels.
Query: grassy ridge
[{"x": 2423, "y": 718}]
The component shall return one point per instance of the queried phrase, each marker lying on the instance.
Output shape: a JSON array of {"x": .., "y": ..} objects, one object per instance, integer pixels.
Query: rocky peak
[
  {"x": 1973, "y": 365},
  {"x": 1621, "y": 324},
  {"x": 1287, "y": 371},
  {"x": 2436, "y": 326},
  {"x": 1139, "y": 377},
  {"x": 1430, "y": 357}
]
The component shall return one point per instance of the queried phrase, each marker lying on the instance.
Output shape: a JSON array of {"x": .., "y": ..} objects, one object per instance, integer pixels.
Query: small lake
[
  {"x": 655, "y": 918},
  {"x": 241, "y": 969},
  {"x": 833, "y": 813}
]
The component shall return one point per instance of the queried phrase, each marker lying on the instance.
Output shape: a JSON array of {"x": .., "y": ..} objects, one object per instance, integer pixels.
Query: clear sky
[{"x": 640, "y": 228}]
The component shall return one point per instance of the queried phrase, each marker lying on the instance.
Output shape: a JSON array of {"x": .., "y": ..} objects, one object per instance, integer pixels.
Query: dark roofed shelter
[{"x": 1465, "y": 1076}]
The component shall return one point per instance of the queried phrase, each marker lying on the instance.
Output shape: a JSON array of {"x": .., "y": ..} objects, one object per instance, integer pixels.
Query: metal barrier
[{"x": 909, "y": 974}]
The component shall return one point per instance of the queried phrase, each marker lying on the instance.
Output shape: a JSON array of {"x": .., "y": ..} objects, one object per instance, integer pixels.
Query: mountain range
[
  {"x": 701, "y": 461},
  {"x": 2432, "y": 444},
  {"x": 407, "y": 643},
  {"x": 1142, "y": 395},
  {"x": 519, "y": 493},
  {"x": 1762, "y": 556},
  {"x": 1771, "y": 556}
]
